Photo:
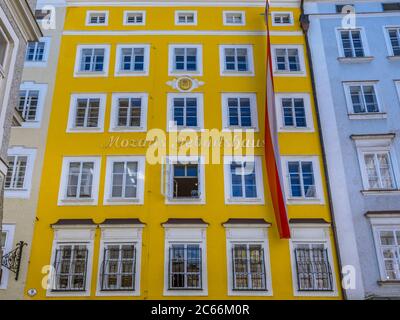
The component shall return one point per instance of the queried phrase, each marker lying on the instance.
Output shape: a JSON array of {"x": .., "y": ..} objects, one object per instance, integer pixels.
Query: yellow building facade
[{"x": 113, "y": 224}]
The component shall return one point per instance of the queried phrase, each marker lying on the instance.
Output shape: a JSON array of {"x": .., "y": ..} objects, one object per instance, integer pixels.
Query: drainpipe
[{"x": 305, "y": 24}]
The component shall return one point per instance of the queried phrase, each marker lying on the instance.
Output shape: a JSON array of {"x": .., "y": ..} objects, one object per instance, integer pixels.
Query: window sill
[
  {"x": 380, "y": 192},
  {"x": 128, "y": 129},
  {"x": 77, "y": 202},
  {"x": 355, "y": 59},
  {"x": 122, "y": 201},
  {"x": 183, "y": 201},
  {"x": 85, "y": 130},
  {"x": 232, "y": 128},
  {"x": 35, "y": 64},
  {"x": 367, "y": 116},
  {"x": 178, "y": 129},
  {"x": 185, "y": 73},
  {"x": 304, "y": 201},
  {"x": 394, "y": 58},
  {"x": 247, "y": 201},
  {"x": 278, "y": 73},
  {"x": 131, "y": 74},
  {"x": 389, "y": 282},
  {"x": 185, "y": 292},
  {"x": 237, "y": 73},
  {"x": 90, "y": 74},
  {"x": 296, "y": 129}
]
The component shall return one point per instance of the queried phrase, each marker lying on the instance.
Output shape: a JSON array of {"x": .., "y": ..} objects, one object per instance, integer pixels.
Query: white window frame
[
  {"x": 191, "y": 234},
  {"x": 381, "y": 114},
  {"x": 253, "y": 109},
  {"x": 139, "y": 200},
  {"x": 300, "y": 48},
  {"x": 397, "y": 84},
  {"x": 104, "y": 73},
  {"x": 43, "y": 63},
  {"x": 225, "y": 18},
  {"x": 384, "y": 145},
  {"x": 72, "y": 112},
  {"x": 248, "y": 234},
  {"x": 127, "y": 13},
  {"x": 62, "y": 195},
  {"x": 123, "y": 73},
  {"x": 383, "y": 223},
  {"x": 167, "y": 176},
  {"x": 179, "y": 12},
  {"x": 312, "y": 233},
  {"x": 319, "y": 191},
  {"x": 307, "y": 108},
  {"x": 170, "y": 113},
  {"x": 65, "y": 235},
  {"x": 9, "y": 229},
  {"x": 89, "y": 15},
  {"x": 229, "y": 200},
  {"x": 30, "y": 165},
  {"x": 250, "y": 57},
  {"x": 388, "y": 42},
  {"x": 114, "y": 112},
  {"x": 42, "y": 88},
  {"x": 121, "y": 234},
  {"x": 277, "y": 13},
  {"x": 367, "y": 53},
  {"x": 171, "y": 60}
]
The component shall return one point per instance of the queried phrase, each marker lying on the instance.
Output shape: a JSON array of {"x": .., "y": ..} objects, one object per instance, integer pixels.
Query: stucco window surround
[
  {"x": 115, "y": 112},
  {"x": 85, "y": 127},
  {"x": 386, "y": 222},
  {"x": 134, "y": 18},
  {"x": 94, "y": 171},
  {"x": 236, "y": 72},
  {"x": 381, "y": 145},
  {"x": 25, "y": 191},
  {"x": 253, "y": 167},
  {"x": 186, "y": 18},
  {"x": 41, "y": 88},
  {"x": 305, "y": 97},
  {"x": 8, "y": 231},
  {"x": 234, "y": 18},
  {"x": 397, "y": 84},
  {"x": 366, "y": 57},
  {"x": 172, "y": 60},
  {"x": 391, "y": 51},
  {"x": 248, "y": 234},
  {"x": 318, "y": 197},
  {"x": 308, "y": 234},
  {"x": 185, "y": 234},
  {"x": 121, "y": 234},
  {"x": 138, "y": 176},
  {"x": 43, "y": 62},
  {"x": 252, "y": 99},
  {"x": 72, "y": 235},
  {"x": 97, "y": 18},
  {"x": 281, "y": 16},
  {"x": 301, "y": 60},
  {"x": 119, "y": 72},
  {"x": 105, "y": 61},
  {"x": 380, "y": 114}
]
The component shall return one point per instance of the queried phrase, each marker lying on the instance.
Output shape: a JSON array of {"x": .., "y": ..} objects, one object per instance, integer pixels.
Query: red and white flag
[{"x": 272, "y": 154}]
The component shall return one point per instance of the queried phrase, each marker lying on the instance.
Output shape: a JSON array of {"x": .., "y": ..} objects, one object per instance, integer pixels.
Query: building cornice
[{"x": 24, "y": 18}]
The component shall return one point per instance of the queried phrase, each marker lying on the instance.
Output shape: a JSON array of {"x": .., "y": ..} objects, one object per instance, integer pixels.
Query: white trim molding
[{"x": 106, "y": 61}]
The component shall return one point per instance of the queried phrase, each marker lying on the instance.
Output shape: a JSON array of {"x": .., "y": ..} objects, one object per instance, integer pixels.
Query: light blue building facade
[{"x": 355, "y": 52}]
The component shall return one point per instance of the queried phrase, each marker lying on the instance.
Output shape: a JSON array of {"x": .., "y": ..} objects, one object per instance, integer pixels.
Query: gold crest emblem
[{"x": 185, "y": 83}]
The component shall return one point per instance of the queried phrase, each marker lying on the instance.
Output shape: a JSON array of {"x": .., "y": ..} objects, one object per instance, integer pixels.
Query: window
[
  {"x": 31, "y": 103},
  {"x": 186, "y": 17},
  {"x": 135, "y": 18},
  {"x": 70, "y": 267},
  {"x": 92, "y": 60},
  {"x": 7, "y": 242},
  {"x": 240, "y": 111},
  {"x": 352, "y": 43},
  {"x": 185, "y": 111},
  {"x": 393, "y": 35},
  {"x": 86, "y": 113},
  {"x": 243, "y": 180},
  {"x": 294, "y": 112},
  {"x": 234, "y": 18},
  {"x": 184, "y": 180},
  {"x": 3, "y": 50},
  {"x": 129, "y": 112},
  {"x": 340, "y": 7},
  {"x": 185, "y": 260},
  {"x": 80, "y": 181},
  {"x": 282, "y": 18},
  {"x": 379, "y": 168},
  {"x": 288, "y": 60},
  {"x": 185, "y": 59},
  {"x": 42, "y": 14},
  {"x": 390, "y": 252},
  {"x": 362, "y": 98},
  {"x": 313, "y": 270},
  {"x": 37, "y": 53},
  {"x": 19, "y": 175},
  {"x": 125, "y": 180},
  {"x": 394, "y": 6},
  {"x": 236, "y": 60},
  {"x": 97, "y": 18},
  {"x": 303, "y": 180},
  {"x": 132, "y": 60}
]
